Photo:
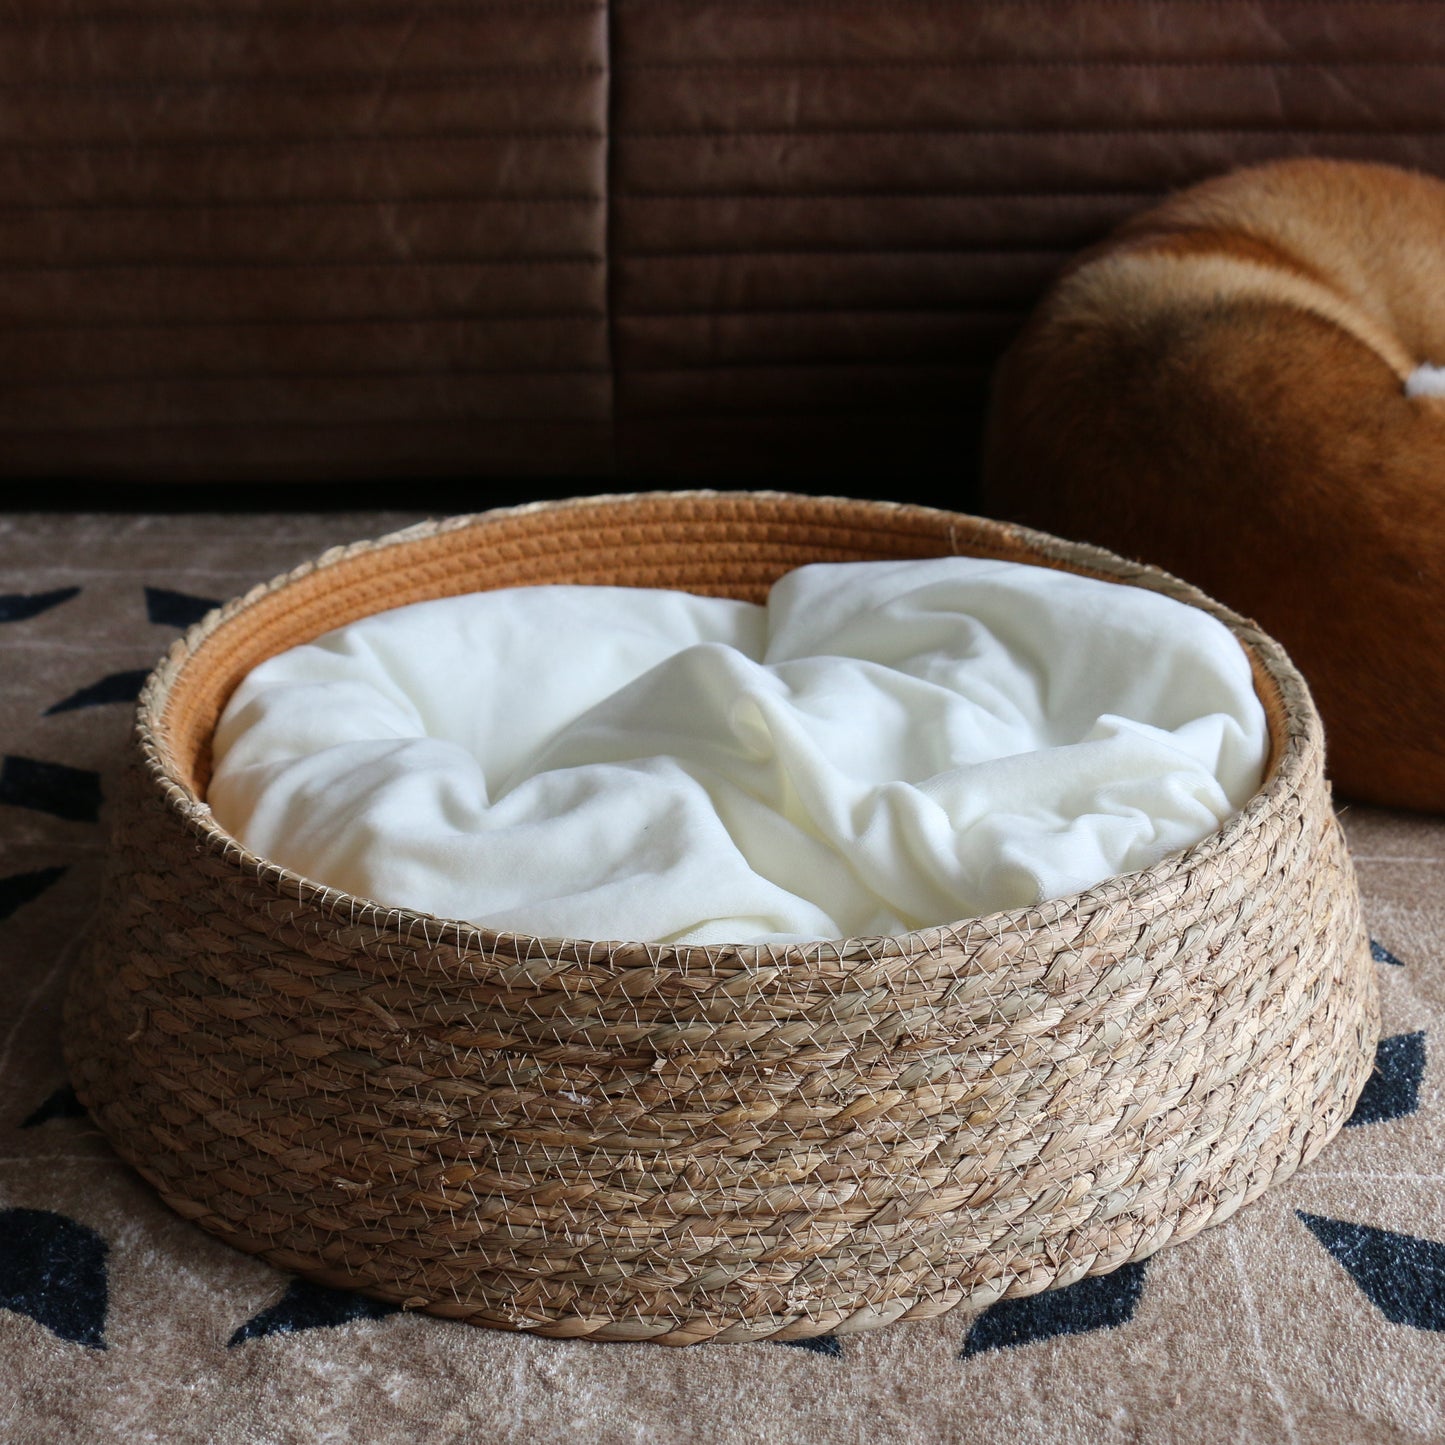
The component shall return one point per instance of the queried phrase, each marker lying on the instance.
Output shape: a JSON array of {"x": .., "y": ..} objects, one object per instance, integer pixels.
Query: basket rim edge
[{"x": 1296, "y": 763}]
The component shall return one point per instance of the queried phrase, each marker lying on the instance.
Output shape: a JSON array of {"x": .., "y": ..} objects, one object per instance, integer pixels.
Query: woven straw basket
[{"x": 627, "y": 1141}]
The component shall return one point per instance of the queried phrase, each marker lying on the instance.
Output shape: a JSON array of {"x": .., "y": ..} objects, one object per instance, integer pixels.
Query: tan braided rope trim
[{"x": 626, "y": 1141}]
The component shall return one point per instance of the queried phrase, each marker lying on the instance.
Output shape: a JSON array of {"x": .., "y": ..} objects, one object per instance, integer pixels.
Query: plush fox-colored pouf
[{"x": 1246, "y": 386}]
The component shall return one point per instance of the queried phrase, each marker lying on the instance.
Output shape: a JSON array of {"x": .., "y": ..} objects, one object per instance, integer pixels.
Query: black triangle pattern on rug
[
  {"x": 21, "y": 606},
  {"x": 1402, "y": 1275},
  {"x": 52, "y": 1268},
  {"x": 829, "y": 1345},
  {"x": 307, "y": 1306},
  {"x": 114, "y": 687},
  {"x": 1381, "y": 954},
  {"x": 1101, "y": 1302},
  {"x": 20, "y": 888},
  {"x": 62, "y": 1104},
  {"x": 65, "y": 792},
  {"x": 1393, "y": 1090},
  {"x": 176, "y": 609}
]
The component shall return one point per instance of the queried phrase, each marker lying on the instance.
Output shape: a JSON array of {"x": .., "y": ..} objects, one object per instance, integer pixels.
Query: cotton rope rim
[{"x": 1294, "y": 726}]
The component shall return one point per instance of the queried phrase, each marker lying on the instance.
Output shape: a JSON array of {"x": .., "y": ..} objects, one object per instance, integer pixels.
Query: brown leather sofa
[{"x": 779, "y": 239}]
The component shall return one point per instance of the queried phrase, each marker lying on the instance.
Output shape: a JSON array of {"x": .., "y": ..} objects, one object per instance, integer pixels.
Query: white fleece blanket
[{"x": 883, "y": 747}]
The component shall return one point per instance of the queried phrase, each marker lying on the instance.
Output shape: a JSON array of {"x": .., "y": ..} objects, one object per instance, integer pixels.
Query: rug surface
[{"x": 1315, "y": 1315}]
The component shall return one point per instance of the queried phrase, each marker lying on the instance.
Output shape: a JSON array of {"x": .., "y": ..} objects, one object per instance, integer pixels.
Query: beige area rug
[{"x": 1315, "y": 1315}]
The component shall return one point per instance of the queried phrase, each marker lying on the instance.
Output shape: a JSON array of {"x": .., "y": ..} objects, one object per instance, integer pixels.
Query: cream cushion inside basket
[{"x": 884, "y": 746}]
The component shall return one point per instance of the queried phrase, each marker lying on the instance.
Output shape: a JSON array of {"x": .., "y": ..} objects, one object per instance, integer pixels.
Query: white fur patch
[{"x": 1426, "y": 380}]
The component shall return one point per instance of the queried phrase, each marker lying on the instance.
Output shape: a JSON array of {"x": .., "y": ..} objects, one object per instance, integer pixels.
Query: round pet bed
[{"x": 628, "y": 1141}]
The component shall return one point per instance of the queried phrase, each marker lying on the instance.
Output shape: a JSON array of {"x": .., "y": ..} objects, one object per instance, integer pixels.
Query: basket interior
[{"x": 729, "y": 545}]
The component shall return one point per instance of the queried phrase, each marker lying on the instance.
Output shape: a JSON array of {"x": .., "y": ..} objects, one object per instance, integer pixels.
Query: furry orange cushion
[{"x": 1238, "y": 386}]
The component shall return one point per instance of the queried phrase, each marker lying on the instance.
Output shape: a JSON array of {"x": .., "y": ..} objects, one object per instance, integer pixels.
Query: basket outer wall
[{"x": 631, "y": 1142}]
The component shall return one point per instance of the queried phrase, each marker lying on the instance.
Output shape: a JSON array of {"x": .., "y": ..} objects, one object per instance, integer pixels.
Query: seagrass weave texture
[{"x": 627, "y": 1141}]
